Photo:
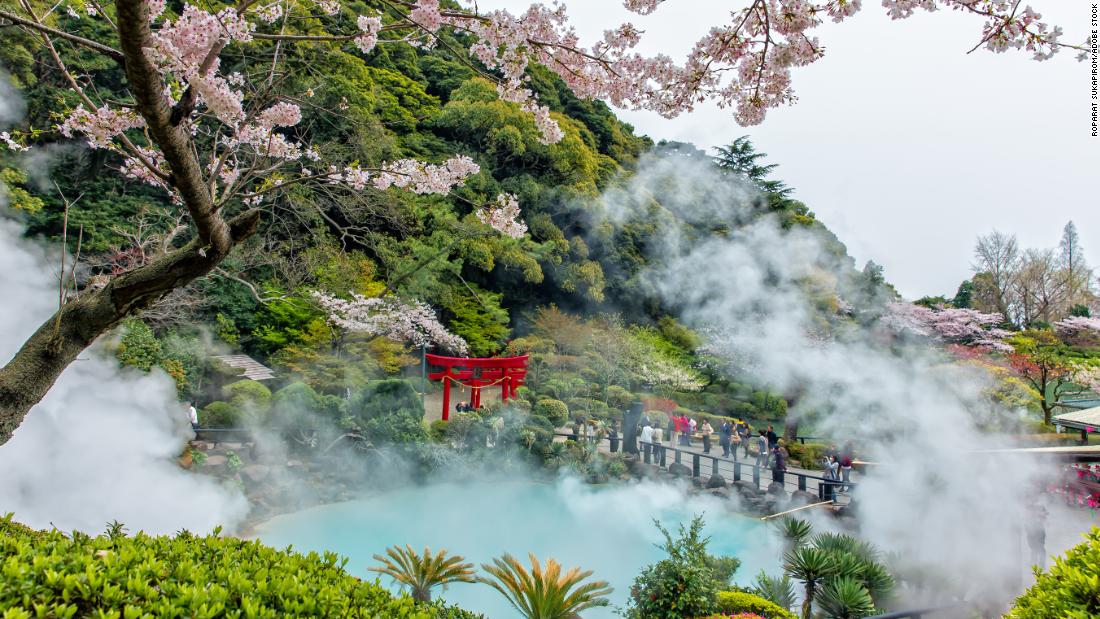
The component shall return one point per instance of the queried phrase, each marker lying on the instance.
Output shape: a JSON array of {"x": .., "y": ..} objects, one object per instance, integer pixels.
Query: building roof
[
  {"x": 1081, "y": 420},
  {"x": 252, "y": 369}
]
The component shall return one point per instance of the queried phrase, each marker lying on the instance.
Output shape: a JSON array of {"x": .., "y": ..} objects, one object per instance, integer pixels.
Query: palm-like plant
[
  {"x": 811, "y": 566},
  {"x": 544, "y": 593},
  {"x": 845, "y": 597},
  {"x": 422, "y": 573},
  {"x": 795, "y": 532},
  {"x": 776, "y": 589}
]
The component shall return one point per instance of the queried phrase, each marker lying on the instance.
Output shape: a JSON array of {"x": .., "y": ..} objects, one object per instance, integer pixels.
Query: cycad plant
[
  {"x": 795, "y": 532},
  {"x": 544, "y": 592},
  {"x": 776, "y": 589},
  {"x": 845, "y": 597},
  {"x": 422, "y": 573},
  {"x": 812, "y": 567}
]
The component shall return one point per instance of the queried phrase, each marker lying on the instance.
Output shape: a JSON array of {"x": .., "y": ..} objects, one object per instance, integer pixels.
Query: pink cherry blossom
[
  {"x": 405, "y": 321},
  {"x": 504, "y": 216},
  {"x": 6, "y": 138},
  {"x": 369, "y": 27},
  {"x": 101, "y": 126},
  {"x": 967, "y": 327}
]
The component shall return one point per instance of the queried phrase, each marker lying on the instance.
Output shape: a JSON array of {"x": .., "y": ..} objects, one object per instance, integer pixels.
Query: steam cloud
[
  {"x": 932, "y": 500},
  {"x": 101, "y": 446}
]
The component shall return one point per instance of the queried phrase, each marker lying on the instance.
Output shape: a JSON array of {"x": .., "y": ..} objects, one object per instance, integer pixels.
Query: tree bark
[
  {"x": 30, "y": 374},
  {"x": 33, "y": 370}
]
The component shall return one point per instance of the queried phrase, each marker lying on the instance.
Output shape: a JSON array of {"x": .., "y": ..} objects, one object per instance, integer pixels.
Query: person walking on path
[
  {"x": 706, "y": 430},
  {"x": 673, "y": 429},
  {"x": 692, "y": 426},
  {"x": 746, "y": 432},
  {"x": 658, "y": 448},
  {"x": 762, "y": 449},
  {"x": 773, "y": 438},
  {"x": 735, "y": 443},
  {"x": 725, "y": 434}
]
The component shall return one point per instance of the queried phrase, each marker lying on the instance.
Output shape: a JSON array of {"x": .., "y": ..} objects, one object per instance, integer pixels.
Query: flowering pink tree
[
  {"x": 219, "y": 144},
  {"x": 956, "y": 326},
  {"x": 412, "y": 322}
]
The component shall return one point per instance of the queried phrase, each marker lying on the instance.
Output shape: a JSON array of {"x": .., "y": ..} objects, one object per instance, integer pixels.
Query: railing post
[
  {"x": 802, "y": 482},
  {"x": 677, "y": 457},
  {"x": 695, "y": 465},
  {"x": 736, "y": 471},
  {"x": 713, "y": 467},
  {"x": 756, "y": 475},
  {"x": 664, "y": 451}
]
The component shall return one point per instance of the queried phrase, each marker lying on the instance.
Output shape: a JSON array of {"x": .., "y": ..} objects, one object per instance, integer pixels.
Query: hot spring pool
[{"x": 608, "y": 530}]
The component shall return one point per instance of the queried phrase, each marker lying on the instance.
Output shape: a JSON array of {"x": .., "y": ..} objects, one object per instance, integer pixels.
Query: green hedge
[
  {"x": 810, "y": 454},
  {"x": 1069, "y": 589},
  {"x": 730, "y": 602},
  {"x": 46, "y": 574}
]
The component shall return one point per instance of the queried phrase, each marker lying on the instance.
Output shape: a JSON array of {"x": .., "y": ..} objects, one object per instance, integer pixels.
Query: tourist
[
  {"x": 725, "y": 431},
  {"x": 745, "y": 431},
  {"x": 673, "y": 428},
  {"x": 846, "y": 465},
  {"x": 1037, "y": 534},
  {"x": 692, "y": 427},
  {"x": 779, "y": 463},
  {"x": 658, "y": 436},
  {"x": 762, "y": 449},
  {"x": 735, "y": 443},
  {"x": 832, "y": 477},
  {"x": 193, "y": 416},
  {"x": 706, "y": 430},
  {"x": 773, "y": 439},
  {"x": 647, "y": 438}
]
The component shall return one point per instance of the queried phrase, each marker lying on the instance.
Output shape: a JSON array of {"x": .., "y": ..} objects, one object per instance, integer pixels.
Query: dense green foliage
[
  {"x": 684, "y": 584},
  {"x": 1069, "y": 589},
  {"x": 49, "y": 574}
]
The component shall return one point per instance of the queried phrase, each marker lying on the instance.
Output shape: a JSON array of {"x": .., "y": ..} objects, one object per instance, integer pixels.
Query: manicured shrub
[
  {"x": 1070, "y": 588},
  {"x": 220, "y": 415},
  {"x": 809, "y": 455},
  {"x": 618, "y": 398},
  {"x": 733, "y": 602},
  {"x": 249, "y": 398},
  {"x": 553, "y": 410},
  {"x": 47, "y": 574}
]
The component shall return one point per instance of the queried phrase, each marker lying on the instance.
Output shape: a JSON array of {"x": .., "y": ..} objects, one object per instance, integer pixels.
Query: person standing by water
[
  {"x": 647, "y": 438},
  {"x": 773, "y": 439},
  {"x": 193, "y": 415},
  {"x": 779, "y": 463},
  {"x": 1037, "y": 534},
  {"x": 746, "y": 433},
  {"x": 658, "y": 436},
  {"x": 846, "y": 458},
  {"x": 613, "y": 437},
  {"x": 706, "y": 430},
  {"x": 735, "y": 443},
  {"x": 673, "y": 428},
  {"x": 725, "y": 432},
  {"x": 689, "y": 430},
  {"x": 762, "y": 449},
  {"x": 832, "y": 477}
]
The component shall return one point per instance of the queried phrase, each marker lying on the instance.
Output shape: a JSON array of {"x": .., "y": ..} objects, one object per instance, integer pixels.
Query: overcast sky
[{"x": 902, "y": 143}]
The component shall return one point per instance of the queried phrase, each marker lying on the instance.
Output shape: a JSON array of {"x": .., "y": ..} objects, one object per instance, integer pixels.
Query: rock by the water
[
  {"x": 679, "y": 470},
  {"x": 716, "y": 481}
]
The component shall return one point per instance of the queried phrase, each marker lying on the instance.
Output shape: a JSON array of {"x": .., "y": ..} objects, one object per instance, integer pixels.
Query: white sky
[{"x": 904, "y": 145}]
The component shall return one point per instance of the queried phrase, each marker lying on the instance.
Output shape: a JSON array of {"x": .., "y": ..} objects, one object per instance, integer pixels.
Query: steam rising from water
[
  {"x": 932, "y": 499},
  {"x": 102, "y": 444}
]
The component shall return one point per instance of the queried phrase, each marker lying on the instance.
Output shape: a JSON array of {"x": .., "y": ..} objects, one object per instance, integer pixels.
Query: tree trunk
[
  {"x": 808, "y": 603},
  {"x": 34, "y": 369}
]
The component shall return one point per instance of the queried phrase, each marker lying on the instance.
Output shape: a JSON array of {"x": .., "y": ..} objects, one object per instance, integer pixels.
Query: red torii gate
[{"x": 477, "y": 373}]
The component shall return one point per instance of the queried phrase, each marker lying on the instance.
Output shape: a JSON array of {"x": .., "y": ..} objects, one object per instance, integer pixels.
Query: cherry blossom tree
[
  {"x": 219, "y": 143},
  {"x": 957, "y": 326},
  {"x": 404, "y": 321}
]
